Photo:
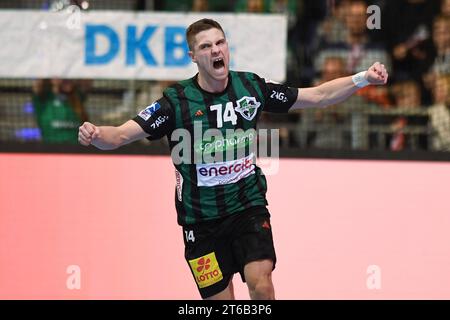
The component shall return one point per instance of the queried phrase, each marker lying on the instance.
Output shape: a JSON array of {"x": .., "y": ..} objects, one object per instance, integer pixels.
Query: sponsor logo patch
[
  {"x": 220, "y": 173},
  {"x": 237, "y": 140},
  {"x": 206, "y": 270},
  {"x": 159, "y": 121},
  {"x": 179, "y": 179},
  {"x": 151, "y": 109},
  {"x": 279, "y": 96}
]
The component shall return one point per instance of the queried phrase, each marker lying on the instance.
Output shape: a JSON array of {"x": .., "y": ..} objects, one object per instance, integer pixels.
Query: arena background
[{"x": 359, "y": 205}]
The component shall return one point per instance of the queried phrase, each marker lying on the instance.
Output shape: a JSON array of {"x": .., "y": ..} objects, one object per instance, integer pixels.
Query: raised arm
[
  {"x": 337, "y": 90},
  {"x": 108, "y": 138}
]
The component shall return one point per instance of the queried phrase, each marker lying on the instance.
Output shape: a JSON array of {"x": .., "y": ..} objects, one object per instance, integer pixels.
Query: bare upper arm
[
  {"x": 130, "y": 131},
  {"x": 308, "y": 98}
]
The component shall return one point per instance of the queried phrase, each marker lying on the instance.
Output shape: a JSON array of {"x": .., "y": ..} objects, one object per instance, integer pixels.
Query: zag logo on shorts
[{"x": 206, "y": 270}]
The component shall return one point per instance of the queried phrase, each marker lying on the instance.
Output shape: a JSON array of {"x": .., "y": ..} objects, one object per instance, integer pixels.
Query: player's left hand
[{"x": 377, "y": 74}]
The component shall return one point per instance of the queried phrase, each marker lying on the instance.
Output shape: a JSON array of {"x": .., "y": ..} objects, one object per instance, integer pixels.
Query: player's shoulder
[
  {"x": 176, "y": 86},
  {"x": 174, "y": 89},
  {"x": 249, "y": 78},
  {"x": 256, "y": 79},
  {"x": 246, "y": 74}
]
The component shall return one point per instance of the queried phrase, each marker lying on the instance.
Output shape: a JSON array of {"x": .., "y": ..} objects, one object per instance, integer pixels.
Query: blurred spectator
[
  {"x": 59, "y": 108},
  {"x": 59, "y": 103},
  {"x": 332, "y": 29},
  {"x": 333, "y": 67},
  {"x": 288, "y": 7},
  {"x": 355, "y": 21},
  {"x": 283, "y": 6},
  {"x": 407, "y": 95},
  {"x": 407, "y": 28},
  {"x": 329, "y": 136},
  {"x": 445, "y": 8},
  {"x": 303, "y": 39},
  {"x": 255, "y": 6},
  {"x": 358, "y": 51},
  {"x": 441, "y": 39},
  {"x": 440, "y": 113},
  {"x": 379, "y": 96},
  {"x": 251, "y": 6},
  {"x": 200, "y": 6}
]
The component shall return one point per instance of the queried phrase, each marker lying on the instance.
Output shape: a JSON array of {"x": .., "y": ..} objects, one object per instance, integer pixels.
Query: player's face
[{"x": 211, "y": 54}]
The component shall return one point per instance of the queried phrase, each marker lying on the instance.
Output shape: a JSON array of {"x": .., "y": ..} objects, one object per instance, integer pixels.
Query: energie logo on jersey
[
  {"x": 220, "y": 173},
  {"x": 206, "y": 270}
]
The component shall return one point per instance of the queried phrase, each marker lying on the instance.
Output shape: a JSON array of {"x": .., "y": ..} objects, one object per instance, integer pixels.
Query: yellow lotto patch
[{"x": 206, "y": 270}]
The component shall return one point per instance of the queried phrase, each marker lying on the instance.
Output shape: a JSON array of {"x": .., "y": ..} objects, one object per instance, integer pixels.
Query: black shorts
[{"x": 216, "y": 250}]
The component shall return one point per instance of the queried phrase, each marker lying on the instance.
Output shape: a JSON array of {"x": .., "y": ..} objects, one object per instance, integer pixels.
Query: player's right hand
[{"x": 87, "y": 132}]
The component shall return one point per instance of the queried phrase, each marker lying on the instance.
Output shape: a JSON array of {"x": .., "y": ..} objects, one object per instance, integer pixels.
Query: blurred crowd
[{"x": 329, "y": 39}]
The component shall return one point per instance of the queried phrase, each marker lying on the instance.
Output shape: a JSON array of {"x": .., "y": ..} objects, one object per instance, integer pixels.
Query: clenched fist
[
  {"x": 87, "y": 132},
  {"x": 377, "y": 74}
]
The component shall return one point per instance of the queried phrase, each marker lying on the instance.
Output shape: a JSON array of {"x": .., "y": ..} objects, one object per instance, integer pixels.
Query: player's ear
[{"x": 191, "y": 54}]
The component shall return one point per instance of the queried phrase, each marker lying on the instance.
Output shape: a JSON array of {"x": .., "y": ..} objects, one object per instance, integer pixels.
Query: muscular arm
[
  {"x": 328, "y": 93},
  {"x": 153, "y": 122},
  {"x": 337, "y": 90},
  {"x": 108, "y": 138}
]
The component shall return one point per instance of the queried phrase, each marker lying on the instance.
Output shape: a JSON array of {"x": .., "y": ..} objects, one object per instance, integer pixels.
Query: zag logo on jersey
[{"x": 247, "y": 107}]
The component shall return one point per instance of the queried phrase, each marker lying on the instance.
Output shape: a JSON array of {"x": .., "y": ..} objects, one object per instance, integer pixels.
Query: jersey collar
[{"x": 195, "y": 80}]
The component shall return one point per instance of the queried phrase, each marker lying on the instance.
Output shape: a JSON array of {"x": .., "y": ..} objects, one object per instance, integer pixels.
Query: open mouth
[{"x": 218, "y": 63}]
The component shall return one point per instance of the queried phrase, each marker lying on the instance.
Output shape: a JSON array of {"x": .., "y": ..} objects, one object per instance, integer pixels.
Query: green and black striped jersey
[{"x": 212, "y": 138}]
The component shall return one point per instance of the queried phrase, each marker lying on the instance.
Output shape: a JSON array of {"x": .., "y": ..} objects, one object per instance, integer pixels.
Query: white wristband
[{"x": 359, "y": 79}]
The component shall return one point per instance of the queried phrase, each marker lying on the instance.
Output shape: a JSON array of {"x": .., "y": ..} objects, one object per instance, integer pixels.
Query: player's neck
[{"x": 210, "y": 84}]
